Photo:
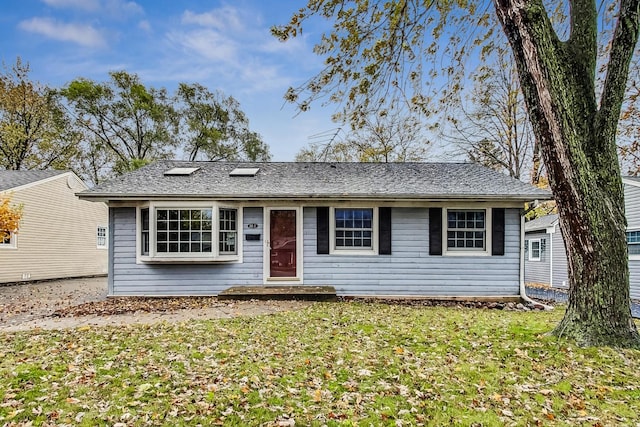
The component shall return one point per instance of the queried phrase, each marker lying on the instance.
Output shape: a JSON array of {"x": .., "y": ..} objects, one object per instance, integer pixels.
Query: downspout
[
  {"x": 523, "y": 291},
  {"x": 551, "y": 257}
]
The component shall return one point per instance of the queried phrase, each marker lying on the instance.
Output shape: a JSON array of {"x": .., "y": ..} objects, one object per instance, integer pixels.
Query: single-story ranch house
[
  {"x": 546, "y": 257},
  {"x": 400, "y": 229},
  {"x": 60, "y": 236}
]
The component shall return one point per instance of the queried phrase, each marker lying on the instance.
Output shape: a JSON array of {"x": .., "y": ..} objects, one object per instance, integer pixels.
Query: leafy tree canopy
[
  {"x": 127, "y": 125},
  {"x": 9, "y": 218},
  {"x": 35, "y": 132}
]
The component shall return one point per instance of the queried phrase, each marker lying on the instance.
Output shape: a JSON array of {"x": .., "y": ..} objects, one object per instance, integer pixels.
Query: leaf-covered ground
[{"x": 329, "y": 364}]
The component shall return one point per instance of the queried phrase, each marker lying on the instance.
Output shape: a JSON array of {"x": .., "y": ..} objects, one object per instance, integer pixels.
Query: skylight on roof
[
  {"x": 181, "y": 171},
  {"x": 244, "y": 172}
]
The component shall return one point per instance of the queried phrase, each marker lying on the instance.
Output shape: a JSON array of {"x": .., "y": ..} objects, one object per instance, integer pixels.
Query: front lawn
[{"x": 333, "y": 363}]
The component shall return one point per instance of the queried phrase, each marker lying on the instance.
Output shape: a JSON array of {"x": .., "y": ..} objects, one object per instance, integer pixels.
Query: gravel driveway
[{"x": 53, "y": 305}]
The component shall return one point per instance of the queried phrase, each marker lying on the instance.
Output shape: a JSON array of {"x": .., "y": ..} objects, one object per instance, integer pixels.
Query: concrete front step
[{"x": 301, "y": 292}]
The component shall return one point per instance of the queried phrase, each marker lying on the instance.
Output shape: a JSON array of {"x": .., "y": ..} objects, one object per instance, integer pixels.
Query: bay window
[{"x": 188, "y": 233}]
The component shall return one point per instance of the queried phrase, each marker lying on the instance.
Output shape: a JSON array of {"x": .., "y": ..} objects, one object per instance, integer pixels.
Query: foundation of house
[{"x": 308, "y": 293}]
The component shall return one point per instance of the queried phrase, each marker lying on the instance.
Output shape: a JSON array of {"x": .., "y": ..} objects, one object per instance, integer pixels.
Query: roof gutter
[{"x": 387, "y": 197}]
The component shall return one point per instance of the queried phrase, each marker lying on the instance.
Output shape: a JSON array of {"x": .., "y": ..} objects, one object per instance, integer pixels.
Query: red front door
[{"x": 283, "y": 244}]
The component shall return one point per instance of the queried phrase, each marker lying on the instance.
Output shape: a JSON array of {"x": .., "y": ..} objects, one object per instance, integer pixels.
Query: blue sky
[{"x": 222, "y": 45}]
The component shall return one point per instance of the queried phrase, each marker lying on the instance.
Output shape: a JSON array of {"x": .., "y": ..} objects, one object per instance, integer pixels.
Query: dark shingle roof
[
  {"x": 541, "y": 223},
  {"x": 12, "y": 179},
  {"x": 318, "y": 180}
]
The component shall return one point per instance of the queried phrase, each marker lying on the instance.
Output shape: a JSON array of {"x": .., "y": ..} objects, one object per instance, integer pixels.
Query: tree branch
[
  {"x": 583, "y": 40},
  {"x": 624, "y": 42}
]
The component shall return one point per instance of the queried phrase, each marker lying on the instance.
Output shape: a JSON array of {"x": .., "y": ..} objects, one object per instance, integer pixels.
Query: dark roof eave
[{"x": 399, "y": 197}]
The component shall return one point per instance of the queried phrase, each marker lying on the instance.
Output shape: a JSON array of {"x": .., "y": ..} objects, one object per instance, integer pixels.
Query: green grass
[{"x": 330, "y": 364}]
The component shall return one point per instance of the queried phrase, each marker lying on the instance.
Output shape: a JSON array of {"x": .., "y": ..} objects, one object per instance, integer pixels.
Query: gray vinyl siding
[
  {"x": 632, "y": 212},
  {"x": 560, "y": 266},
  {"x": 57, "y": 235},
  {"x": 554, "y": 257},
  {"x": 632, "y": 206},
  {"x": 634, "y": 278},
  {"x": 538, "y": 271},
  {"x": 410, "y": 270},
  {"x": 129, "y": 278}
]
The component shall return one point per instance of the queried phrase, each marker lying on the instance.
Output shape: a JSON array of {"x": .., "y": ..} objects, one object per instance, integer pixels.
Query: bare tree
[
  {"x": 492, "y": 128},
  {"x": 393, "y": 134}
]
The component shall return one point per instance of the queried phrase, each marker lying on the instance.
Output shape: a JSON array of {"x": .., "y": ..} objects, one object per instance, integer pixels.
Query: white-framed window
[
  {"x": 354, "y": 230},
  {"x": 633, "y": 243},
  {"x": 188, "y": 232},
  {"x": 228, "y": 231},
  {"x": 10, "y": 241},
  {"x": 101, "y": 237},
  {"x": 535, "y": 249},
  {"x": 183, "y": 230},
  {"x": 144, "y": 231},
  {"x": 466, "y": 231}
]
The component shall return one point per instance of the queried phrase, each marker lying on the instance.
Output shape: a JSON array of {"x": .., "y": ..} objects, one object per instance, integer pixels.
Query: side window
[
  {"x": 101, "y": 237},
  {"x": 535, "y": 250},
  {"x": 633, "y": 242},
  {"x": 144, "y": 231},
  {"x": 228, "y": 231},
  {"x": 9, "y": 241}
]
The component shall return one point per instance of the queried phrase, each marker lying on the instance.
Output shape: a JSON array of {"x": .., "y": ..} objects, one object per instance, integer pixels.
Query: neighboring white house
[
  {"x": 60, "y": 235},
  {"x": 545, "y": 254},
  {"x": 545, "y": 259},
  {"x": 435, "y": 230}
]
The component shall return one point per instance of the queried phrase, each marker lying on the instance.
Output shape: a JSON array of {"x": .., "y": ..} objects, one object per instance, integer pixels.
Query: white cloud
[
  {"x": 84, "y": 35},
  {"x": 235, "y": 44},
  {"x": 206, "y": 44},
  {"x": 123, "y": 8},
  {"x": 225, "y": 18},
  {"x": 144, "y": 25},
  {"x": 89, "y": 5},
  {"x": 116, "y": 8}
]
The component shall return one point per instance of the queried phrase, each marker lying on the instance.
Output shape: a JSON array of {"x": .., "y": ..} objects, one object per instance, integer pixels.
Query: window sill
[
  {"x": 189, "y": 260},
  {"x": 355, "y": 252},
  {"x": 466, "y": 253}
]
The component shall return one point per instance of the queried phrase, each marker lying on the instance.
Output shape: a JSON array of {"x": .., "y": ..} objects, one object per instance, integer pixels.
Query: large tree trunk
[
  {"x": 577, "y": 142},
  {"x": 536, "y": 168}
]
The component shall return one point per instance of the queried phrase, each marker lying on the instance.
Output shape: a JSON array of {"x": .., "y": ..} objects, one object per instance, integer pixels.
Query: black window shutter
[
  {"x": 384, "y": 231},
  {"x": 322, "y": 218},
  {"x": 435, "y": 231},
  {"x": 497, "y": 231}
]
